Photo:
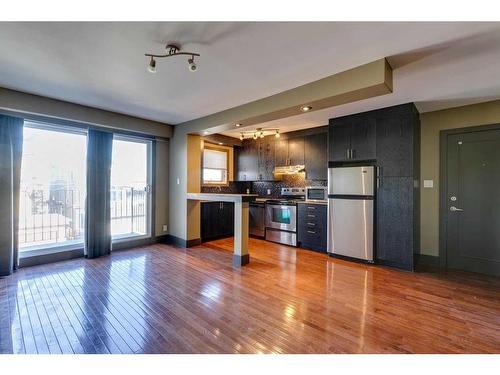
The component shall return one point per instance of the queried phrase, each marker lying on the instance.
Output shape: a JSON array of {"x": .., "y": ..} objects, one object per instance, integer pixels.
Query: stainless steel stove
[{"x": 281, "y": 216}]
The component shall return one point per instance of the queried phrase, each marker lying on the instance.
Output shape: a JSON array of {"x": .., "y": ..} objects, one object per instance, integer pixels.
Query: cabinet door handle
[
  {"x": 311, "y": 224},
  {"x": 311, "y": 215},
  {"x": 352, "y": 153},
  {"x": 311, "y": 207},
  {"x": 347, "y": 153},
  {"x": 311, "y": 231}
]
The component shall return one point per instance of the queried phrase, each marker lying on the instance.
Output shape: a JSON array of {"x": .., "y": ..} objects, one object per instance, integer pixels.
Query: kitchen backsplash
[
  {"x": 235, "y": 187},
  {"x": 261, "y": 187},
  {"x": 292, "y": 180}
]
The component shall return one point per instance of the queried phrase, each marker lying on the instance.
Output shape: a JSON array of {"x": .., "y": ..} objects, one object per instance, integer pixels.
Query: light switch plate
[
  {"x": 428, "y": 183},
  {"x": 268, "y": 191},
  {"x": 165, "y": 227}
]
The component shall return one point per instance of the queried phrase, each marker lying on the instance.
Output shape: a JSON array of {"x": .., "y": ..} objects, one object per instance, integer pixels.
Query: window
[
  {"x": 215, "y": 166},
  {"x": 130, "y": 188},
  {"x": 52, "y": 196}
]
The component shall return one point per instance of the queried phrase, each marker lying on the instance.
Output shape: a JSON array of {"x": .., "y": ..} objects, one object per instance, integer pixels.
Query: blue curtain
[
  {"x": 98, "y": 211},
  {"x": 11, "y": 148}
]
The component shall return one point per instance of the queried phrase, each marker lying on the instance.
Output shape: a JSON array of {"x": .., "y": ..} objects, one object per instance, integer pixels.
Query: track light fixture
[
  {"x": 172, "y": 50},
  {"x": 152, "y": 65},
  {"x": 259, "y": 133}
]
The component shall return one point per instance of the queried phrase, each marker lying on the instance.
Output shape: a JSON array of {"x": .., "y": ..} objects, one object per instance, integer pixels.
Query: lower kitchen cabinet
[
  {"x": 312, "y": 226},
  {"x": 217, "y": 220},
  {"x": 396, "y": 222}
]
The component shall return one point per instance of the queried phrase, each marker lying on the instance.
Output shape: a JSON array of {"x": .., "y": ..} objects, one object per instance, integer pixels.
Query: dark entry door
[{"x": 473, "y": 201}]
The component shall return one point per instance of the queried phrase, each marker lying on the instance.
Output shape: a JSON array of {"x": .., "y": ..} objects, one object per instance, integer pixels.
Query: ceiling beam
[{"x": 362, "y": 82}]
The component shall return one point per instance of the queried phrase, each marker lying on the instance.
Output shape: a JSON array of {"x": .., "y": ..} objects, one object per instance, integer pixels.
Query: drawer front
[{"x": 312, "y": 226}]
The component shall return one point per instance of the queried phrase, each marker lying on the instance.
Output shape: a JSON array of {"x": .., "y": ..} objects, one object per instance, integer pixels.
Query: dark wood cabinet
[
  {"x": 256, "y": 160},
  {"x": 395, "y": 222},
  {"x": 296, "y": 151},
  {"x": 289, "y": 152},
  {"x": 363, "y": 142},
  {"x": 339, "y": 141},
  {"x": 352, "y": 138},
  {"x": 316, "y": 156},
  {"x": 281, "y": 152},
  {"x": 266, "y": 158},
  {"x": 217, "y": 220},
  {"x": 395, "y": 145},
  {"x": 248, "y": 161},
  {"x": 312, "y": 226}
]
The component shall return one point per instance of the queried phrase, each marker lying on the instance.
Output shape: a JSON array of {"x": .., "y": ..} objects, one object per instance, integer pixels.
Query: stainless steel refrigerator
[{"x": 351, "y": 202}]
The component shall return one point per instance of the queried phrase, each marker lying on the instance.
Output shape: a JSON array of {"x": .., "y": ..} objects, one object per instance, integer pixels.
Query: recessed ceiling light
[
  {"x": 220, "y": 143},
  {"x": 305, "y": 108},
  {"x": 237, "y": 125},
  {"x": 205, "y": 132}
]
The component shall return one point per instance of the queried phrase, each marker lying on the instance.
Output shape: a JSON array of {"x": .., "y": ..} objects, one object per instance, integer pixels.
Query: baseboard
[
  {"x": 125, "y": 245},
  {"x": 399, "y": 266},
  {"x": 180, "y": 242},
  {"x": 428, "y": 261}
]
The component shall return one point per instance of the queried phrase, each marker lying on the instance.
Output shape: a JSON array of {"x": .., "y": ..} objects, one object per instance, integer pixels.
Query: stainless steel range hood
[{"x": 289, "y": 169}]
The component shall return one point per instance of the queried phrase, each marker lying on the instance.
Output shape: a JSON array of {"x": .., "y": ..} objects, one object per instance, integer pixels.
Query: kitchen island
[{"x": 241, "y": 220}]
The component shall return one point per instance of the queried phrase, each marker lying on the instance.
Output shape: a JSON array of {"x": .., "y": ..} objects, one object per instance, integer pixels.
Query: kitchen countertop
[{"x": 222, "y": 197}]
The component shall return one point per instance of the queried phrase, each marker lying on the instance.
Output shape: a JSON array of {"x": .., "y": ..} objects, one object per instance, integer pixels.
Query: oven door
[{"x": 282, "y": 217}]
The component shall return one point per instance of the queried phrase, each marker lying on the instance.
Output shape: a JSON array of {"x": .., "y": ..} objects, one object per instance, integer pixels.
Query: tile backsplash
[
  {"x": 261, "y": 187},
  {"x": 235, "y": 187},
  {"x": 293, "y": 180}
]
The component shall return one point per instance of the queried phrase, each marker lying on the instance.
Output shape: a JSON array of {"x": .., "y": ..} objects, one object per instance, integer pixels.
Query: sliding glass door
[
  {"x": 52, "y": 197},
  {"x": 130, "y": 188}
]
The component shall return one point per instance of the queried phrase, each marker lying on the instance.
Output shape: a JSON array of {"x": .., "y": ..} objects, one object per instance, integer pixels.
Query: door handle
[{"x": 455, "y": 209}]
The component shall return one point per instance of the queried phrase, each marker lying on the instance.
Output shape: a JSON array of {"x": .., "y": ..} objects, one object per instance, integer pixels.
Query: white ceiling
[{"x": 102, "y": 65}]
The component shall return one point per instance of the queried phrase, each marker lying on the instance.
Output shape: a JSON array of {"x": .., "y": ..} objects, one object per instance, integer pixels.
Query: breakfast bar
[{"x": 241, "y": 220}]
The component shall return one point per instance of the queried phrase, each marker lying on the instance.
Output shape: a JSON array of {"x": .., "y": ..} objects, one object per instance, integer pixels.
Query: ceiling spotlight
[
  {"x": 172, "y": 50},
  {"x": 262, "y": 134},
  {"x": 306, "y": 108},
  {"x": 192, "y": 65},
  {"x": 237, "y": 125},
  {"x": 277, "y": 135},
  {"x": 242, "y": 137},
  {"x": 255, "y": 136},
  {"x": 152, "y": 65}
]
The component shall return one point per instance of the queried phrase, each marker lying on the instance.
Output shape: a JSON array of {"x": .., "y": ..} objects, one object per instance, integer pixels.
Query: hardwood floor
[{"x": 161, "y": 299}]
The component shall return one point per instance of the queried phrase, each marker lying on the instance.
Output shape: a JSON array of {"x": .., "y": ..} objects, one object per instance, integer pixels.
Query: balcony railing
[{"x": 51, "y": 216}]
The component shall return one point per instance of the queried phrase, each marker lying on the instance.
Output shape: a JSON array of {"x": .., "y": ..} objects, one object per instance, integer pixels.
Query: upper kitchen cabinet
[
  {"x": 289, "y": 151},
  {"x": 352, "y": 138},
  {"x": 266, "y": 158},
  {"x": 281, "y": 152},
  {"x": 296, "y": 151},
  {"x": 247, "y": 161},
  {"x": 316, "y": 156},
  {"x": 398, "y": 134}
]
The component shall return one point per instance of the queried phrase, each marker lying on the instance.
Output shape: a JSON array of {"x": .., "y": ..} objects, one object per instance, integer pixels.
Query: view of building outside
[
  {"x": 52, "y": 197},
  {"x": 129, "y": 195}
]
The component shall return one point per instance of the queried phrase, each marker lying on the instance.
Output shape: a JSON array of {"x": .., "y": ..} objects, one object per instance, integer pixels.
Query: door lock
[
  {"x": 455, "y": 209},
  {"x": 453, "y": 199}
]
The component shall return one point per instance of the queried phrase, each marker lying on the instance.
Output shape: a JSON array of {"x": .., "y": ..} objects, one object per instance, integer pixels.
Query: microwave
[{"x": 316, "y": 194}]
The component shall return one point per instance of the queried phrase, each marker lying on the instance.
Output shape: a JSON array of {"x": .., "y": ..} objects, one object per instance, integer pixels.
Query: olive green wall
[
  {"x": 161, "y": 186},
  {"x": 431, "y": 125}
]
